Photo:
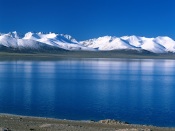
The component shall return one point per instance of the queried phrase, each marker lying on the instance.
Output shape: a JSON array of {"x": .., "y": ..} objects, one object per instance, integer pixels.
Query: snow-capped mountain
[
  {"x": 155, "y": 45},
  {"x": 39, "y": 40},
  {"x": 36, "y": 40}
]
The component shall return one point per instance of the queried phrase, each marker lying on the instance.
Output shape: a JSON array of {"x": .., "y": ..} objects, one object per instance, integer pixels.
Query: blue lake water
[{"x": 136, "y": 91}]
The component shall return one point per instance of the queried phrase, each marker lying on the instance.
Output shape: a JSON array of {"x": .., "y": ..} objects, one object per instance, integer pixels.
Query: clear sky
[{"x": 84, "y": 19}]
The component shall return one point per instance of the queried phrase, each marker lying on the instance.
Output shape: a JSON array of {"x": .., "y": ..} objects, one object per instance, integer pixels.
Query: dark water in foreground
[{"x": 136, "y": 91}]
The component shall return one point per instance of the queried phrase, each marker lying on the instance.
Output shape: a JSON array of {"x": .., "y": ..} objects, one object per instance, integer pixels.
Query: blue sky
[{"x": 84, "y": 19}]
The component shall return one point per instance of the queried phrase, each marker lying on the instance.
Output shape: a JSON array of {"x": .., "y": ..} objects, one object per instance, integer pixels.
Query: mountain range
[{"x": 53, "y": 41}]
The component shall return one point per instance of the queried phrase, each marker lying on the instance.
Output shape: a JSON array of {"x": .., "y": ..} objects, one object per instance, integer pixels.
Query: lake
[{"x": 137, "y": 91}]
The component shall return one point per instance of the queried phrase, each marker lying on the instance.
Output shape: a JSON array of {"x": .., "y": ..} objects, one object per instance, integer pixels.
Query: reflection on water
[{"x": 137, "y": 91}]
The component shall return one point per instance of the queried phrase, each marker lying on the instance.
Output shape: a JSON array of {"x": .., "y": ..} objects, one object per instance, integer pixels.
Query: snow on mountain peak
[
  {"x": 35, "y": 40},
  {"x": 13, "y": 34},
  {"x": 155, "y": 45},
  {"x": 160, "y": 44}
]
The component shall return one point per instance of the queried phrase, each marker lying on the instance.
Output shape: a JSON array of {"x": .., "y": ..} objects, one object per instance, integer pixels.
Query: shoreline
[
  {"x": 81, "y": 55},
  {"x": 10, "y": 122}
]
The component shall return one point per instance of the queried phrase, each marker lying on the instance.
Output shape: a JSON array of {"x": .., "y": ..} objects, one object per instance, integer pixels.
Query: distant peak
[
  {"x": 163, "y": 37},
  {"x": 14, "y": 34},
  {"x": 69, "y": 37},
  {"x": 160, "y": 44}
]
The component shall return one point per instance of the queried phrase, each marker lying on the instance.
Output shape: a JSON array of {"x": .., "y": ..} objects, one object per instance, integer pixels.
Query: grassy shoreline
[
  {"x": 24, "y": 123},
  {"x": 82, "y": 54}
]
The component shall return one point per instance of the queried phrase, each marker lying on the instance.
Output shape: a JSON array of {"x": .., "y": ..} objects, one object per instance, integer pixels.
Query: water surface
[{"x": 136, "y": 91}]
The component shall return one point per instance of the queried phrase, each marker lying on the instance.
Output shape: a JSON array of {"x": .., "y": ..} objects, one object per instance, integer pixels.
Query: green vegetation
[{"x": 83, "y": 54}]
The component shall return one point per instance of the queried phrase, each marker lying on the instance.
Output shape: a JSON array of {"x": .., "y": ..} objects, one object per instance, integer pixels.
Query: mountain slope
[
  {"x": 38, "y": 40},
  {"x": 52, "y": 41},
  {"x": 155, "y": 45}
]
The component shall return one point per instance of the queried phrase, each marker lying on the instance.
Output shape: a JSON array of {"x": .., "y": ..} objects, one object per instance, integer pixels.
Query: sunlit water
[{"x": 136, "y": 91}]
